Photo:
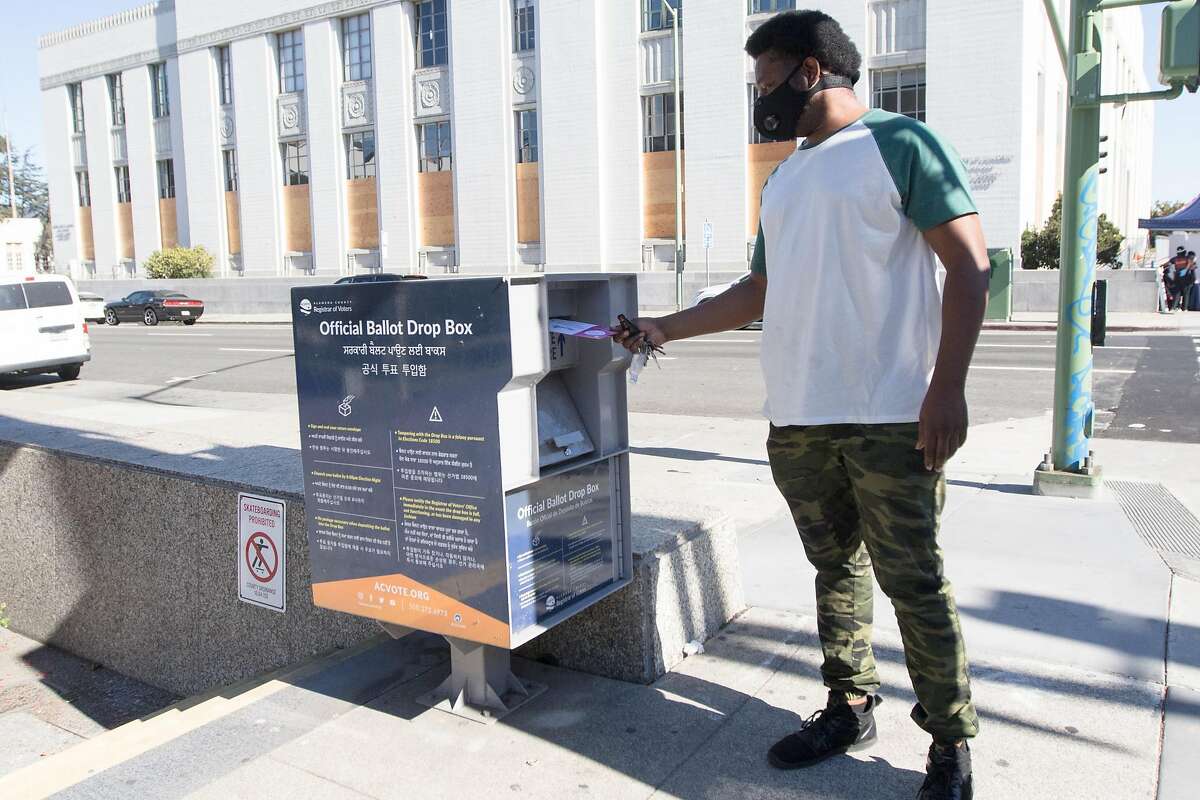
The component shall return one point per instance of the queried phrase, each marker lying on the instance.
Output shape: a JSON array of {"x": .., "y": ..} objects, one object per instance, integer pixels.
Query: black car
[
  {"x": 378, "y": 277},
  {"x": 152, "y": 307}
]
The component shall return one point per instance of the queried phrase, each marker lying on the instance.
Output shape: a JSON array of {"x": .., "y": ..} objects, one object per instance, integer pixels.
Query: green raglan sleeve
[
  {"x": 928, "y": 173},
  {"x": 758, "y": 262}
]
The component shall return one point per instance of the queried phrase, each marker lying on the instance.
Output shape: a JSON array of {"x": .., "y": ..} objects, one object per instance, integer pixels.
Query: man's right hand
[
  {"x": 651, "y": 329},
  {"x": 738, "y": 306}
]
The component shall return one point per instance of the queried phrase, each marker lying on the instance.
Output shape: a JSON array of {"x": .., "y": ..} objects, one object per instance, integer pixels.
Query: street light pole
[
  {"x": 1069, "y": 468},
  {"x": 1073, "y": 407},
  {"x": 12, "y": 187},
  {"x": 678, "y": 158}
]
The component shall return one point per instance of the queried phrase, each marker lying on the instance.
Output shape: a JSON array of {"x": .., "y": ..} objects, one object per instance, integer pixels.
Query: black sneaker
[
  {"x": 947, "y": 773},
  {"x": 838, "y": 728}
]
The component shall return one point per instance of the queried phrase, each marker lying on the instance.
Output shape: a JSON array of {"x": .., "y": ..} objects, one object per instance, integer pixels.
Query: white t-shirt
[{"x": 854, "y": 293}]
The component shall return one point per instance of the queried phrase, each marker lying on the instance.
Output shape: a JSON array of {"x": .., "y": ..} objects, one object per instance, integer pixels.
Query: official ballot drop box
[{"x": 466, "y": 471}]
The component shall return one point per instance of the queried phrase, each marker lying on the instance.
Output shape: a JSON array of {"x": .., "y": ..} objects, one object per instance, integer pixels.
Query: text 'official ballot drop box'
[{"x": 465, "y": 470}]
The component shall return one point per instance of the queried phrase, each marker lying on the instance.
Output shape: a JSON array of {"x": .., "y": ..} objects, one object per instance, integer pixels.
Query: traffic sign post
[
  {"x": 1070, "y": 468},
  {"x": 466, "y": 470},
  {"x": 708, "y": 243}
]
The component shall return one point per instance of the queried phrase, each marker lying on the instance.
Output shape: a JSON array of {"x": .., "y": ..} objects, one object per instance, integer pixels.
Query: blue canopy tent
[{"x": 1185, "y": 219}]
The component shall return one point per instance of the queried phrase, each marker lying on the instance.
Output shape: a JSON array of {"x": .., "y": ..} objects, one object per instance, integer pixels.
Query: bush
[
  {"x": 180, "y": 262},
  {"x": 3, "y": 618},
  {"x": 1039, "y": 248}
]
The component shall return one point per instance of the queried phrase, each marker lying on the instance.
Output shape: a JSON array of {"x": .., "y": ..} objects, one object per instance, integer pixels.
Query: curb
[{"x": 1050, "y": 326}]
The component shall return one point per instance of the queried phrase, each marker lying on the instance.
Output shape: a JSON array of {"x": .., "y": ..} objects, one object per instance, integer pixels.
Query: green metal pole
[
  {"x": 1056, "y": 31},
  {"x": 1073, "y": 409}
]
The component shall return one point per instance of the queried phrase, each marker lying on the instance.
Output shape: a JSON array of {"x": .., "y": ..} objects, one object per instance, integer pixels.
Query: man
[
  {"x": 1185, "y": 279},
  {"x": 1173, "y": 279},
  {"x": 1168, "y": 283},
  {"x": 865, "y": 358}
]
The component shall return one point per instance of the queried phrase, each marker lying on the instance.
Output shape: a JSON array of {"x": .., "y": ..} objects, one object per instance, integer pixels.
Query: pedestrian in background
[
  {"x": 1185, "y": 281},
  {"x": 865, "y": 357},
  {"x": 1168, "y": 280}
]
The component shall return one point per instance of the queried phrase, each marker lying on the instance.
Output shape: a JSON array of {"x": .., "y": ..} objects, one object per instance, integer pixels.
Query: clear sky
[{"x": 1177, "y": 124}]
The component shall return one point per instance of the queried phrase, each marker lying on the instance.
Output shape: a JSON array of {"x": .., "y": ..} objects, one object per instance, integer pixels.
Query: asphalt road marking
[
  {"x": 1051, "y": 369},
  {"x": 255, "y": 350},
  {"x": 715, "y": 341},
  {"x": 190, "y": 378}
]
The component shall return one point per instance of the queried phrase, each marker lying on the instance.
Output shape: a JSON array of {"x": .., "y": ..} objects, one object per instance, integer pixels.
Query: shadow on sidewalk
[
  {"x": 1081, "y": 622},
  {"x": 106, "y": 698},
  {"x": 1004, "y": 488},
  {"x": 682, "y": 454},
  {"x": 806, "y": 657}
]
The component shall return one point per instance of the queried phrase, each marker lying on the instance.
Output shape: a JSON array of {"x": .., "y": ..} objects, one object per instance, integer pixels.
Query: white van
[{"x": 41, "y": 326}]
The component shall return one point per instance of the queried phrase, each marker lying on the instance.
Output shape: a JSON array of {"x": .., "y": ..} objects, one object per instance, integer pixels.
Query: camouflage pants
[{"x": 861, "y": 497}]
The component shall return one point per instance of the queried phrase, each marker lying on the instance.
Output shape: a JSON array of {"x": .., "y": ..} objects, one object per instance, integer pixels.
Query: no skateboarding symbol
[
  {"x": 262, "y": 564},
  {"x": 261, "y": 557}
]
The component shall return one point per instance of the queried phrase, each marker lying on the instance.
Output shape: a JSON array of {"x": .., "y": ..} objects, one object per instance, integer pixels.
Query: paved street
[{"x": 1145, "y": 384}]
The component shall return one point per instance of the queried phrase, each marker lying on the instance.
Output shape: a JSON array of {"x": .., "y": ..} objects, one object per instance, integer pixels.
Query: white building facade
[
  {"x": 19, "y": 237},
  {"x": 293, "y": 138}
]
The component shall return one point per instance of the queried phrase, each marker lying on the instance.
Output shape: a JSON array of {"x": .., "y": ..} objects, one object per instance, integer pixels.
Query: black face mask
[{"x": 776, "y": 114}]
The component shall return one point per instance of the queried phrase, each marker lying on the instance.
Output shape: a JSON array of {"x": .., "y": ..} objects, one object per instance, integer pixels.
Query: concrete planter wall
[
  {"x": 128, "y": 558},
  {"x": 1128, "y": 289}
]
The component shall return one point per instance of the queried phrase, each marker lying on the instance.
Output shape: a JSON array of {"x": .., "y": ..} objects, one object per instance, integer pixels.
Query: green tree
[
  {"x": 178, "y": 263},
  {"x": 1165, "y": 208},
  {"x": 1040, "y": 247},
  {"x": 33, "y": 198}
]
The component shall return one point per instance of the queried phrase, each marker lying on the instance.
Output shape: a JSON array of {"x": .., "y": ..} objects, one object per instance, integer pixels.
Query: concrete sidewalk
[
  {"x": 353, "y": 730},
  {"x": 1085, "y": 643}
]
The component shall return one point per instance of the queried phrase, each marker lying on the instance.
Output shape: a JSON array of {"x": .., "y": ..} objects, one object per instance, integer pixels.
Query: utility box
[
  {"x": 1179, "y": 58},
  {"x": 466, "y": 471},
  {"x": 1000, "y": 285}
]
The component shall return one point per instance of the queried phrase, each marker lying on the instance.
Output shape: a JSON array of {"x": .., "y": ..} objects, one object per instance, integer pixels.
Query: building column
[
  {"x": 395, "y": 137},
  {"x": 98, "y": 118},
  {"x": 715, "y": 133},
  {"x": 485, "y": 196},
  {"x": 327, "y": 158},
  {"x": 204, "y": 204},
  {"x": 572, "y": 200},
  {"x": 179, "y": 155},
  {"x": 254, "y": 104},
  {"x": 60, "y": 178},
  {"x": 143, "y": 171},
  {"x": 620, "y": 150}
]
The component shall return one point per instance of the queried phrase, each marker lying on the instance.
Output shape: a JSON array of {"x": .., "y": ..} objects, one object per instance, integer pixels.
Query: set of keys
[{"x": 646, "y": 349}]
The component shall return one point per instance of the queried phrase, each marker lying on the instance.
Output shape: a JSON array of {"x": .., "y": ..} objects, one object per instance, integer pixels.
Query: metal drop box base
[{"x": 481, "y": 686}]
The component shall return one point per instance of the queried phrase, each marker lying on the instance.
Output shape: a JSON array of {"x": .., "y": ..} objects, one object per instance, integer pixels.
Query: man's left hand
[{"x": 943, "y": 425}]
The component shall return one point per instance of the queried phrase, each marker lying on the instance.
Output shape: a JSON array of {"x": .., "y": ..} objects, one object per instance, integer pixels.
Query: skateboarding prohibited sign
[{"x": 262, "y": 567}]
